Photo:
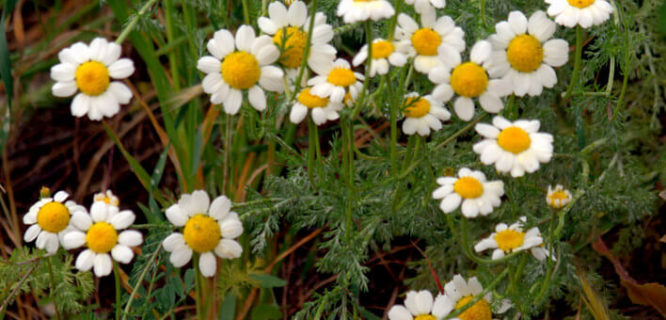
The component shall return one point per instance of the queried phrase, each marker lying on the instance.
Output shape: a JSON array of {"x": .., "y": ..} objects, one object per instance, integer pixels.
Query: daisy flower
[
  {"x": 508, "y": 239},
  {"x": 88, "y": 69},
  {"x": 353, "y": 11},
  {"x": 436, "y": 42},
  {"x": 558, "y": 197},
  {"x": 289, "y": 29},
  {"x": 322, "y": 108},
  {"x": 585, "y": 13},
  {"x": 99, "y": 233},
  {"x": 477, "y": 195},
  {"x": 107, "y": 197},
  {"x": 49, "y": 220},
  {"x": 515, "y": 147},
  {"x": 240, "y": 64},
  {"x": 424, "y": 5},
  {"x": 525, "y": 54},
  {"x": 458, "y": 293},
  {"x": 207, "y": 230},
  {"x": 422, "y": 114},
  {"x": 419, "y": 306},
  {"x": 469, "y": 80},
  {"x": 384, "y": 53},
  {"x": 336, "y": 80}
]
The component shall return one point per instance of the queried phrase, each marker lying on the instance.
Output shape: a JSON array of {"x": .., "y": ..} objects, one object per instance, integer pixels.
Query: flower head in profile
[
  {"x": 337, "y": 80},
  {"x": 509, "y": 239},
  {"x": 422, "y": 114},
  {"x": 209, "y": 229},
  {"x": 321, "y": 109},
  {"x": 436, "y": 42},
  {"x": 585, "y": 13},
  {"x": 477, "y": 195},
  {"x": 419, "y": 305},
  {"x": 103, "y": 234},
  {"x": 353, "y": 11},
  {"x": 516, "y": 147},
  {"x": 469, "y": 81},
  {"x": 421, "y": 6},
  {"x": 289, "y": 30},
  {"x": 240, "y": 64},
  {"x": 384, "y": 54},
  {"x": 459, "y": 293},
  {"x": 558, "y": 197},
  {"x": 49, "y": 220},
  {"x": 90, "y": 71},
  {"x": 524, "y": 53},
  {"x": 107, "y": 197}
]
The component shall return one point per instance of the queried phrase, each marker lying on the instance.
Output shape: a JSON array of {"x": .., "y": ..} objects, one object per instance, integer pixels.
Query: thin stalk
[
  {"x": 197, "y": 286},
  {"x": 393, "y": 114},
  {"x": 394, "y": 20},
  {"x": 168, "y": 7},
  {"x": 311, "y": 151},
  {"x": 138, "y": 282},
  {"x": 227, "y": 176},
  {"x": 116, "y": 278},
  {"x": 52, "y": 284},
  {"x": 460, "y": 132},
  {"x": 368, "y": 65},
  {"x": 246, "y": 13},
  {"x": 130, "y": 26},
  {"x": 578, "y": 57},
  {"x": 306, "y": 51},
  {"x": 517, "y": 274}
]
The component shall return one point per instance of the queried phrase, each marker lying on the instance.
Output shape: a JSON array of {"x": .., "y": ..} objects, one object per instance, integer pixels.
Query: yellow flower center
[
  {"x": 240, "y": 70},
  {"x": 288, "y": 2},
  {"x": 202, "y": 233},
  {"x": 479, "y": 311},
  {"x": 425, "y": 317},
  {"x": 426, "y": 41},
  {"x": 468, "y": 187},
  {"x": 416, "y": 107},
  {"x": 469, "y": 80},
  {"x": 53, "y": 217},
  {"x": 92, "y": 78},
  {"x": 101, "y": 237},
  {"x": 508, "y": 239},
  {"x": 311, "y": 101},
  {"x": 581, "y": 3},
  {"x": 382, "y": 49},
  {"x": 525, "y": 53},
  {"x": 514, "y": 139},
  {"x": 341, "y": 77},
  {"x": 292, "y": 43},
  {"x": 557, "y": 195}
]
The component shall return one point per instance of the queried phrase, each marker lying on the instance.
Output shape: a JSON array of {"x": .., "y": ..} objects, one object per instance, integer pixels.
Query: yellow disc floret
[
  {"x": 525, "y": 53},
  {"x": 581, "y": 3},
  {"x": 416, "y": 107},
  {"x": 310, "y": 100},
  {"x": 382, "y": 49},
  {"x": 101, "y": 237},
  {"x": 291, "y": 40},
  {"x": 53, "y": 217},
  {"x": 341, "y": 77},
  {"x": 479, "y": 311},
  {"x": 92, "y": 78},
  {"x": 514, "y": 140},
  {"x": 202, "y": 233},
  {"x": 469, "y": 80},
  {"x": 557, "y": 199},
  {"x": 468, "y": 187},
  {"x": 509, "y": 239},
  {"x": 426, "y": 41},
  {"x": 240, "y": 70},
  {"x": 425, "y": 317}
]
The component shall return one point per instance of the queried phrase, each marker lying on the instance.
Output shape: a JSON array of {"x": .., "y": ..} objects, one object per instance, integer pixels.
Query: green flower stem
[
  {"x": 516, "y": 276},
  {"x": 393, "y": 114},
  {"x": 306, "y": 51},
  {"x": 52, "y": 284},
  {"x": 139, "y": 281},
  {"x": 313, "y": 136},
  {"x": 368, "y": 65},
  {"x": 348, "y": 168},
  {"x": 461, "y": 131},
  {"x": 130, "y": 26},
  {"x": 479, "y": 296},
  {"x": 227, "y": 174},
  {"x": 197, "y": 285},
  {"x": 578, "y": 57},
  {"x": 116, "y": 278},
  {"x": 246, "y": 12},
  {"x": 394, "y": 20}
]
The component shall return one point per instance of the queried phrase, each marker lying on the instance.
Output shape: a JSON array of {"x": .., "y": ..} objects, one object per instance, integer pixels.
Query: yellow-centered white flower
[
  {"x": 558, "y": 197},
  {"x": 472, "y": 189},
  {"x": 524, "y": 53},
  {"x": 240, "y": 64},
  {"x": 100, "y": 233},
  {"x": 509, "y": 239},
  {"x": 207, "y": 230},
  {"x": 436, "y": 42},
  {"x": 423, "y": 5},
  {"x": 515, "y": 147},
  {"x": 337, "y": 80},
  {"x": 384, "y": 54},
  {"x": 322, "y": 109},
  {"x": 585, "y": 13},
  {"x": 469, "y": 81},
  {"x": 289, "y": 30},
  {"x": 459, "y": 293},
  {"x": 89, "y": 70},
  {"x": 353, "y": 11},
  {"x": 419, "y": 305},
  {"x": 107, "y": 197},
  {"x": 422, "y": 114},
  {"x": 49, "y": 221}
]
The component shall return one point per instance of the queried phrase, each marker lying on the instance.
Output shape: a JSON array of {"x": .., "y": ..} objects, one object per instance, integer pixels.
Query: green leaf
[
  {"x": 6, "y": 73},
  {"x": 139, "y": 171},
  {"x": 268, "y": 281},
  {"x": 266, "y": 312},
  {"x": 228, "y": 307}
]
